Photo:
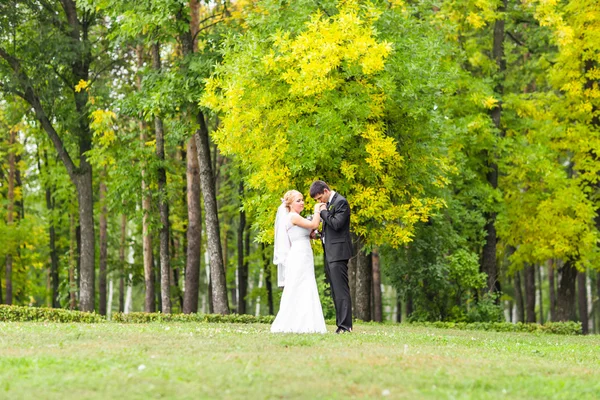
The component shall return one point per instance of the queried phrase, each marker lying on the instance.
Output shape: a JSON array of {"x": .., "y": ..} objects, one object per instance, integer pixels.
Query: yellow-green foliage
[
  {"x": 549, "y": 190},
  {"x": 297, "y": 106}
]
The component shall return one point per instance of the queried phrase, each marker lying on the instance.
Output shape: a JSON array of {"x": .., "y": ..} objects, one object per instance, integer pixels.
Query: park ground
[{"x": 212, "y": 360}]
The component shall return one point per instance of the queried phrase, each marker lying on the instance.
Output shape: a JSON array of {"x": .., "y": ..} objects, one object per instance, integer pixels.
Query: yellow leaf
[{"x": 81, "y": 85}]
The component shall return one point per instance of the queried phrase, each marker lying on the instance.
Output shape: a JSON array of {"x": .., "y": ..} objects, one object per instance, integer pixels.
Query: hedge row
[
  {"x": 142, "y": 317},
  {"x": 41, "y": 314},
  {"x": 21, "y": 313},
  {"x": 558, "y": 328}
]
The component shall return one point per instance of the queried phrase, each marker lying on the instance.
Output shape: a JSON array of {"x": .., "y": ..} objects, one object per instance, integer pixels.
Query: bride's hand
[{"x": 318, "y": 207}]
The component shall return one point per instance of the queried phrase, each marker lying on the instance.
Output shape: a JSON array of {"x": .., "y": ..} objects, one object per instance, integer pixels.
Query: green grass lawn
[{"x": 188, "y": 360}]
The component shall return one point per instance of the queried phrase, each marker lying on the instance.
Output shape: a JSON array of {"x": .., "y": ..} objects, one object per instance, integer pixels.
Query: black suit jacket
[{"x": 336, "y": 230}]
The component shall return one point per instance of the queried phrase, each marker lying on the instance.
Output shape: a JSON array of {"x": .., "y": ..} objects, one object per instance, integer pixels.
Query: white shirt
[
  {"x": 332, "y": 193},
  {"x": 331, "y": 197}
]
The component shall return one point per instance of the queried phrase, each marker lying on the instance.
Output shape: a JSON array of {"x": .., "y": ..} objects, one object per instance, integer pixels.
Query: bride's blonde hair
[{"x": 288, "y": 198}]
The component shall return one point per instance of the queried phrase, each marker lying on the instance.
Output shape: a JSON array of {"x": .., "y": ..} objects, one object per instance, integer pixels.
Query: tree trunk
[
  {"x": 530, "y": 293},
  {"x": 163, "y": 204},
  {"x": 582, "y": 300},
  {"x": 409, "y": 305},
  {"x": 54, "y": 278},
  {"x": 399, "y": 308},
  {"x": 520, "y": 317},
  {"x": 244, "y": 277},
  {"x": 538, "y": 269},
  {"x": 565, "y": 302},
  {"x": 597, "y": 306},
  {"x": 122, "y": 263},
  {"x": 176, "y": 254},
  {"x": 552, "y": 287},
  {"x": 103, "y": 248},
  {"x": 352, "y": 267},
  {"x": 377, "y": 307},
  {"x": 194, "y": 231},
  {"x": 72, "y": 262},
  {"x": 242, "y": 274},
  {"x": 149, "y": 280},
  {"x": 488, "y": 259},
  {"x": 268, "y": 282},
  {"x": 217, "y": 271},
  {"x": 83, "y": 183},
  {"x": 233, "y": 289},
  {"x": 53, "y": 260},
  {"x": 364, "y": 274},
  {"x": 10, "y": 213}
]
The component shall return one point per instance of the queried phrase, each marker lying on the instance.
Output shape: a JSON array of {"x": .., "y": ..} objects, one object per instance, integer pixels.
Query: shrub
[
  {"x": 558, "y": 328},
  {"x": 42, "y": 314},
  {"x": 486, "y": 309},
  {"x": 141, "y": 318}
]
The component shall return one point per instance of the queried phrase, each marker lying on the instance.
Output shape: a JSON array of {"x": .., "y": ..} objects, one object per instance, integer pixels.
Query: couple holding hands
[{"x": 300, "y": 308}]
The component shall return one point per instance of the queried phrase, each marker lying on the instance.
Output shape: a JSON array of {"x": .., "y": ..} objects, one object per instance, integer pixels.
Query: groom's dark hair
[{"x": 318, "y": 187}]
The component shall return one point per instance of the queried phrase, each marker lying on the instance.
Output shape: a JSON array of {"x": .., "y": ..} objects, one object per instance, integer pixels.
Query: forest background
[{"x": 145, "y": 146}]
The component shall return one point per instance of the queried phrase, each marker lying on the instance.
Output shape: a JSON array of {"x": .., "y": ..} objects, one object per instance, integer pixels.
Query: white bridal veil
[{"x": 282, "y": 243}]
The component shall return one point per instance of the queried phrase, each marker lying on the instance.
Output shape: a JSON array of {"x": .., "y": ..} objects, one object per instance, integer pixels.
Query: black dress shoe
[{"x": 342, "y": 330}]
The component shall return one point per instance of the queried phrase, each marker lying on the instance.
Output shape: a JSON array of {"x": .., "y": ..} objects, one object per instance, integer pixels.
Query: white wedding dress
[{"x": 300, "y": 308}]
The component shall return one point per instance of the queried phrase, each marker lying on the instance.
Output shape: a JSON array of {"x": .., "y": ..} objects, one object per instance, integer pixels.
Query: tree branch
[
  {"x": 70, "y": 10},
  {"x": 61, "y": 76},
  {"x": 101, "y": 70},
  {"x": 32, "y": 98},
  {"x": 7, "y": 89},
  {"x": 517, "y": 41},
  {"x": 221, "y": 15}
]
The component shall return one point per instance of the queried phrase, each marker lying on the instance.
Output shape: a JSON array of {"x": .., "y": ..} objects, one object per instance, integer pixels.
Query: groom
[{"x": 337, "y": 244}]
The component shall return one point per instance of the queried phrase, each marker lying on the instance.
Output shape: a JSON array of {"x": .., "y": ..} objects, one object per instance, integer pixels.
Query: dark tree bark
[
  {"x": 246, "y": 262},
  {"x": 233, "y": 290},
  {"x": 552, "y": 286},
  {"x": 488, "y": 259},
  {"x": 194, "y": 231},
  {"x": 565, "y": 302},
  {"x": 242, "y": 273},
  {"x": 50, "y": 205},
  {"x": 268, "y": 282},
  {"x": 530, "y": 293},
  {"x": 72, "y": 263},
  {"x": 103, "y": 249},
  {"x": 520, "y": 317},
  {"x": 538, "y": 269},
  {"x": 163, "y": 204},
  {"x": 352, "y": 267},
  {"x": 582, "y": 300},
  {"x": 399, "y": 308},
  {"x": 597, "y": 307},
  {"x": 78, "y": 259},
  {"x": 409, "y": 305},
  {"x": 122, "y": 263},
  {"x": 156, "y": 267},
  {"x": 364, "y": 275},
  {"x": 217, "y": 270},
  {"x": 377, "y": 307},
  {"x": 53, "y": 252},
  {"x": 176, "y": 246},
  {"x": 10, "y": 212}
]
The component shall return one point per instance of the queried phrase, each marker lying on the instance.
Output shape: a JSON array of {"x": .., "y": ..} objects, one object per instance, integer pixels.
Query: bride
[{"x": 300, "y": 308}]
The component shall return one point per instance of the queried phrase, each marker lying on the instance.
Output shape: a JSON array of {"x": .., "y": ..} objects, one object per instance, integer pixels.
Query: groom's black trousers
[{"x": 337, "y": 274}]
